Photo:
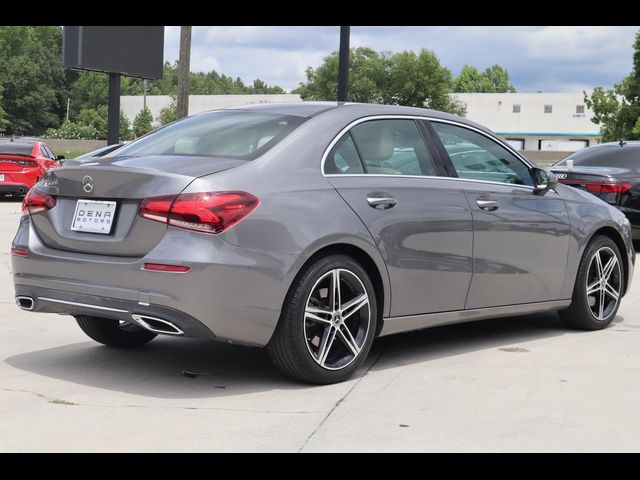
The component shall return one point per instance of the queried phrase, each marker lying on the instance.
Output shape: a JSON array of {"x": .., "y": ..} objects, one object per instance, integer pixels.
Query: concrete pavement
[{"x": 515, "y": 384}]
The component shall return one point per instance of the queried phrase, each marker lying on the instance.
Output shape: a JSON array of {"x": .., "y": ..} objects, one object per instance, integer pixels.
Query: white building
[
  {"x": 131, "y": 105},
  {"x": 535, "y": 121}
]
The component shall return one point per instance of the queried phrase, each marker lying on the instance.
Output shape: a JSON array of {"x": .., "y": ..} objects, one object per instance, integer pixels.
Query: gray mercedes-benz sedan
[{"x": 312, "y": 228}]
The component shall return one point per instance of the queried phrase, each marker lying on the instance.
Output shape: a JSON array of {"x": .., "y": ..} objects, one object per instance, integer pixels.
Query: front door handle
[
  {"x": 488, "y": 205},
  {"x": 381, "y": 200}
]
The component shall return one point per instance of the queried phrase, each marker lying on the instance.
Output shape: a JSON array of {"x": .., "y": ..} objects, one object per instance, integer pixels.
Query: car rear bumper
[
  {"x": 19, "y": 182},
  {"x": 14, "y": 189},
  {"x": 46, "y": 300},
  {"x": 230, "y": 294}
]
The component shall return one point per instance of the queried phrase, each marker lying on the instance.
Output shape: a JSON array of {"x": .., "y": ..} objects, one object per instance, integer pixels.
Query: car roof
[
  {"x": 312, "y": 109},
  {"x": 19, "y": 141},
  {"x": 623, "y": 144}
]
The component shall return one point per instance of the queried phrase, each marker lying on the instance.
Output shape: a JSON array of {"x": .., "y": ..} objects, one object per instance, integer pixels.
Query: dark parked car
[
  {"x": 99, "y": 153},
  {"x": 312, "y": 228},
  {"x": 610, "y": 171}
]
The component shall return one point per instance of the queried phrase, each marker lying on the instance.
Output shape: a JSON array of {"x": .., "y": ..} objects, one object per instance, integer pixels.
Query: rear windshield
[
  {"x": 242, "y": 135},
  {"x": 10, "y": 148},
  {"x": 614, "y": 156}
]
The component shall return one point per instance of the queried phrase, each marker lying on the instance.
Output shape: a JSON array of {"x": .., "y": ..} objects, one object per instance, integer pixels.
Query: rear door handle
[
  {"x": 488, "y": 205},
  {"x": 381, "y": 200}
]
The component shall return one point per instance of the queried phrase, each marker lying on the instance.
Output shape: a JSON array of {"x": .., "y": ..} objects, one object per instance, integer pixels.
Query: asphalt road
[{"x": 515, "y": 384}]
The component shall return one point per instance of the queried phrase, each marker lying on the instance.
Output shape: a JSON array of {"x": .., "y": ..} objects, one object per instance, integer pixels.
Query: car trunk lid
[
  {"x": 603, "y": 182},
  {"x": 125, "y": 181}
]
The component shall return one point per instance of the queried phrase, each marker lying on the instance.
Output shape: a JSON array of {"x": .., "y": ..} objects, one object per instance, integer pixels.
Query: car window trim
[
  {"x": 499, "y": 143},
  {"x": 437, "y": 158}
]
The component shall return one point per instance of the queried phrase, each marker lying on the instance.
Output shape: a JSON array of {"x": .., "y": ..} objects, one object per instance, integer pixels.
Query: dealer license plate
[{"x": 93, "y": 216}]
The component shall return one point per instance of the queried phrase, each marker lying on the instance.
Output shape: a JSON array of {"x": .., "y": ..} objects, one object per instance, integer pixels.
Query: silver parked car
[{"x": 312, "y": 228}]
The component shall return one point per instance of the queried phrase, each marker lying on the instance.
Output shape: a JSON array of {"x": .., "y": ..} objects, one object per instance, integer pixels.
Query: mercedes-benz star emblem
[{"x": 87, "y": 184}]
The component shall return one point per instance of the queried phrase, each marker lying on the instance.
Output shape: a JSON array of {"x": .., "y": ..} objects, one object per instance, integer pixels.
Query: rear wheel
[
  {"x": 599, "y": 287},
  {"x": 328, "y": 322},
  {"x": 114, "y": 333}
]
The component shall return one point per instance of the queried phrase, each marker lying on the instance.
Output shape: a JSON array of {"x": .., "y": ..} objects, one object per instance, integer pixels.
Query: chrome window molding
[{"x": 428, "y": 119}]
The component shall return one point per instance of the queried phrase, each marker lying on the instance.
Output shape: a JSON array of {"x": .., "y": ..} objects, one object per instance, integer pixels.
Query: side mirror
[
  {"x": 60, "y": 157},
  {"x": 543, "y": 180}
]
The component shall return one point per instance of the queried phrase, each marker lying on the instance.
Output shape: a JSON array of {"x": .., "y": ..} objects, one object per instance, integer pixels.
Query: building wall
[
  {"x": 567, "y": 127},
  {"x": 131, "y": 105}
]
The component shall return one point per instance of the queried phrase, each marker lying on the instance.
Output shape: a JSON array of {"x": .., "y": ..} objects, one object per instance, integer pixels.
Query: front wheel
[
  {"x": 599, "y": 286},
  {"x": 328, "y": 322}
]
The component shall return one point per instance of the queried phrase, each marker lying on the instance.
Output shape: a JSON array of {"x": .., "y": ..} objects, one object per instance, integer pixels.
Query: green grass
[{"x": 71, "y": 153}]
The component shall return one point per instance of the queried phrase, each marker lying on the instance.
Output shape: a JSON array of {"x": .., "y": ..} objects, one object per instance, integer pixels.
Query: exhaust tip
[
  {"x": 26, "y": 303},
  {"x": 157, "y": 325},
  {"x": 22, "y": 191}
]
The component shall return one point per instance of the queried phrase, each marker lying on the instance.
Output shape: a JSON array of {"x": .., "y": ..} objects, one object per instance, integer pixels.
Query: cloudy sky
[{"x": 537, "y": 58}]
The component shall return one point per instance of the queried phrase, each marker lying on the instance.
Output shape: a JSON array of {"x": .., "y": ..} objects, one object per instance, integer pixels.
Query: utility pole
[
  {"x": 113, "y": 110},
  {"x": 68, "y": 102},
  {"x": 182, "y": 106},
  {"x": 343, "y": 64},
  {"x": 145, "y": 86}
]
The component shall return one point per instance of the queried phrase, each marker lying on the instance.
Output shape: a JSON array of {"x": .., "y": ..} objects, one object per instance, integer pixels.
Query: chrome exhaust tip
[
  {"x": 157, "y": 325},
  {"x": 26, "y": 303}
]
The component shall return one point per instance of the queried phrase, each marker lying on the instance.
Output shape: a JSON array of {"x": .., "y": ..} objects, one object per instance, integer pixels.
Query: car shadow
[{"x": 156, "y": 370}]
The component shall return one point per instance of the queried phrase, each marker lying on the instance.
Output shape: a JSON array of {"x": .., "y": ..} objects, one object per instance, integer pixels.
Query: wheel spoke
[
  {"x": 609, "y": 267},
  {"x": 609, "y": 290},
  {"x": 348, "y": 340},
  {"x": 325, "y": 345},
  {"x": 601, "y": 304},
  {"x": 593, "y": 288},
  {"x": 335, "y": 288},
  {"x": 312, "y": 316},
  {"x": 354, "y": 305},
  {"x": 599, "y": 264}
]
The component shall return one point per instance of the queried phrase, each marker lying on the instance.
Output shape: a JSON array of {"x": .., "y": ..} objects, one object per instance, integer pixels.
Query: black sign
[{"x": 135, "y": 51}]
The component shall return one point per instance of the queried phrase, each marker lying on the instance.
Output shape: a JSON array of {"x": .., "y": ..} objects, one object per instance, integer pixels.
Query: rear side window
[
  {"x": 606, "y": 156},
  {"x": 242, "y": 135},
  {"x": 12, "y": 148},
  {"x": 343, "y": 158},
  {"x": 381, "y": 147}
]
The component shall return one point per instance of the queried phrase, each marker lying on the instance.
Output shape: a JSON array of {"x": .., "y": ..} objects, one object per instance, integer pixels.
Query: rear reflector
[
  {"x": 21, "y": 252},
  {"x": 212, "y": 212},
  {"x": 37, "y": 202},
  {"x": 156, "y": 267}
]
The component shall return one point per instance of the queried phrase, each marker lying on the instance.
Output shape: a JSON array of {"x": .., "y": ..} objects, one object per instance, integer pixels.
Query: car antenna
[{"x": 622, "y": 143}]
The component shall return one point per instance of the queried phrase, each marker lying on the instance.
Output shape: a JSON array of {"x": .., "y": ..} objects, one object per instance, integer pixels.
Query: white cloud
[{"x": 537, "y": 58}]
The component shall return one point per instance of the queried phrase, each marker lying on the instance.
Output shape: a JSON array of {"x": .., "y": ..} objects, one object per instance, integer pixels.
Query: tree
[
  {"x": 168, "y": 113},
  {"x": 142, "y": 122},
  {"x": 32, "y": 77},
  {"x": 182, "y": 102},
  {"x": 3, "y": 115},
  {"x": 404, "y": 78},
  {"x": 617, "y": 110},
  {"x": 97, "y": 118},
  {"x": 494, "y": 79}
]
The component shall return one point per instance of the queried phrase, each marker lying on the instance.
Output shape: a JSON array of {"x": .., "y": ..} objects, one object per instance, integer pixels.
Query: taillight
[
  {"x": 20, "y": 252},
  {"x": 608, "y": 187},
  {"x": 37, "y": 202},
  {"x": 27, "y": 163},
  {"x": 212, "y": 212}
]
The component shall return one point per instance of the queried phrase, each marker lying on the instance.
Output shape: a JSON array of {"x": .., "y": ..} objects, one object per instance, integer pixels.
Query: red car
[{"x": 22, "y": 164}]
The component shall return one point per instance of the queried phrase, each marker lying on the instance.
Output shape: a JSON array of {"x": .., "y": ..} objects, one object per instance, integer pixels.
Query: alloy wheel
[
  {"x": 604, "y": 283},
  {"x": 337, "y": 319}
]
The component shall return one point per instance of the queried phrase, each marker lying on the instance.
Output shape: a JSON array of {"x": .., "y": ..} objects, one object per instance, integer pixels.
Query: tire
[
  {"x": 113, "y": 334},
  {"x": 297, "y": 344},
  {"x": 585, "y": 312}
]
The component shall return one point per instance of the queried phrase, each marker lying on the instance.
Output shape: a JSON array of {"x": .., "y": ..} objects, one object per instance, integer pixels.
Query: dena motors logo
[{"x": 93, "y": 216}]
